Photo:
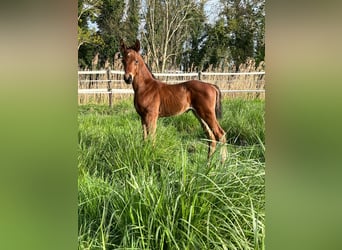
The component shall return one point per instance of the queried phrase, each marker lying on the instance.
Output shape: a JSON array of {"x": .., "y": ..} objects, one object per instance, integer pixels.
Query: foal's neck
[{"x": 143, "y": 76}]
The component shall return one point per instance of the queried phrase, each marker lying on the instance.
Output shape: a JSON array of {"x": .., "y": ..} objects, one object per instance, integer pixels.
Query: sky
[{"x": 212, "y": 10}]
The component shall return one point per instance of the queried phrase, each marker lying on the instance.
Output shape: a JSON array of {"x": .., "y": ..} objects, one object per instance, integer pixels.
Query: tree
[
  {"x": 245, "y": 27},
  {"x": 132, "y": 20},
  {"x": 117, "y": 20},
  {"x": 88, "y": 39},
  {"x": 174, "y": 34},
  {"x": 166, "y": 29},
  {"x": 191, "y": 57},
  {"x": 87, "y": 12},
  {"x": 109, "y": 24},
  {"x": 260, "y": 31},
  {"x": 215, "y": 51}
]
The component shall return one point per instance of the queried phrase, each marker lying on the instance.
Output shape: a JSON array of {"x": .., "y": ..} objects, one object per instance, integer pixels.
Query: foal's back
[{"x": 178, "y": 98}]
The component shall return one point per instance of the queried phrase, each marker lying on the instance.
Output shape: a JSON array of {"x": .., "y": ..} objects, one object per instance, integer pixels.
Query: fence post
[
  {"x": 109, "y": 79},
  {"x": 199, "y": 75}
]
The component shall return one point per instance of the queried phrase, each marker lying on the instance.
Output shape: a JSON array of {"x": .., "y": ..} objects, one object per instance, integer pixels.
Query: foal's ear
[
  {"x": 123, "y": 46},
  {"x": 137, "y": 45}
]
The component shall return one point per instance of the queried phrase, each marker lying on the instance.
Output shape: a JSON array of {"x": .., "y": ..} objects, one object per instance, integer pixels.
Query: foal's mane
[{"x": 150, "y": 70}]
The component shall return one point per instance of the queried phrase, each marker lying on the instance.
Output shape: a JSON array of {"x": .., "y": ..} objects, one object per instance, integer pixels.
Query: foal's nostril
[{"x": 128, "y": 79}]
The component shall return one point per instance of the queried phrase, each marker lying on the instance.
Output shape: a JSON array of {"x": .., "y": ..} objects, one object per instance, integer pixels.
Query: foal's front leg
[
  {"x": 149, "y": 124},
  {"x": 144, "y": 130}
]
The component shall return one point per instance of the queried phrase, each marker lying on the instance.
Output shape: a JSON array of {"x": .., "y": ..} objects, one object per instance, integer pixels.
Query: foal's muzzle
[{"x": 128, "y": 78}]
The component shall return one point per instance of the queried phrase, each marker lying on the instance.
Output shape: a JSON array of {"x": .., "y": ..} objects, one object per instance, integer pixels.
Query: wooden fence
[{"x": 104, "y": 86}]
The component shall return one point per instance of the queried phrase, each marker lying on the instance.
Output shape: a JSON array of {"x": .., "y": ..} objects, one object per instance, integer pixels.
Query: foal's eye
[{"x": 136, "y": 62}]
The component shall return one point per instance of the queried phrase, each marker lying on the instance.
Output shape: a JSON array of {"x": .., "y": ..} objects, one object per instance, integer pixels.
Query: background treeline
[{"x": 186, "y": 35}]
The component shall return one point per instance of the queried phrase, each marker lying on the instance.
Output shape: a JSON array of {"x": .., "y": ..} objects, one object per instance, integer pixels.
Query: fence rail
[
  {"x": 120, "y": 72},
  {"x": 110, "y": 82},
  {"x": 130, "y": 91}
]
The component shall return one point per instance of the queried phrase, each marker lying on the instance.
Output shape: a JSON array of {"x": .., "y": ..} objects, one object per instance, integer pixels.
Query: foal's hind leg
[
  {"x": 211, "y": 137},
  {"x": 214, "y": 132},
  {"x": 209, "y": 132},
  {"x": 220, "y": 136}
]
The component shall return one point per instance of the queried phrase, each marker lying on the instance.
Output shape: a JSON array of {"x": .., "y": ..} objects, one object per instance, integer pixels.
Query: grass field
[{"x": 135, "y": 195}]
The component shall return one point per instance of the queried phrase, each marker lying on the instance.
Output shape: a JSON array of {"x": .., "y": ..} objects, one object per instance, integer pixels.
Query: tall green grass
[{"x": 138, "y": 195}]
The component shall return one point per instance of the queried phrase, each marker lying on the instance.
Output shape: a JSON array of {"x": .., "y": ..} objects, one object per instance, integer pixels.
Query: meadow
[{"x": 134, "y": 194}]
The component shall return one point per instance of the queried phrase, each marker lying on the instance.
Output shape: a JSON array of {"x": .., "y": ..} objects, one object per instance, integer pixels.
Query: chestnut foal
[{"x": 153, "y": 99}]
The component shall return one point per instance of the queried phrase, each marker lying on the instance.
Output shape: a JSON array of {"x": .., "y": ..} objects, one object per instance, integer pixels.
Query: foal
[{"x": 153, "y": 99}]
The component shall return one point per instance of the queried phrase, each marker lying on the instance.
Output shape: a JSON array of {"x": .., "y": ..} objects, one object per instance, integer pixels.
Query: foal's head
[{"x": 130, "y": 60}]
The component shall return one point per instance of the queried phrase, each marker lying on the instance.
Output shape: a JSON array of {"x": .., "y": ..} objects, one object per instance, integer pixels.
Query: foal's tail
[{"x": 218, "y": 106}]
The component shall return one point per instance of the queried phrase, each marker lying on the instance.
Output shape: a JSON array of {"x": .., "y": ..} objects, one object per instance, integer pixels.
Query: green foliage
[
  {"x": 112, "y": 21},
  {"x": 241, "y": 26},
  {"x": 236, "y": 35},
  {"x": 109, "y": 23},
  {"x": 215, "y": 50},
  {"x": 87, "y": 12},
  {"x": 165, "y": 195},
  {"x": 175, "y": 34},
  {"x": 191, "y": 57}
]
